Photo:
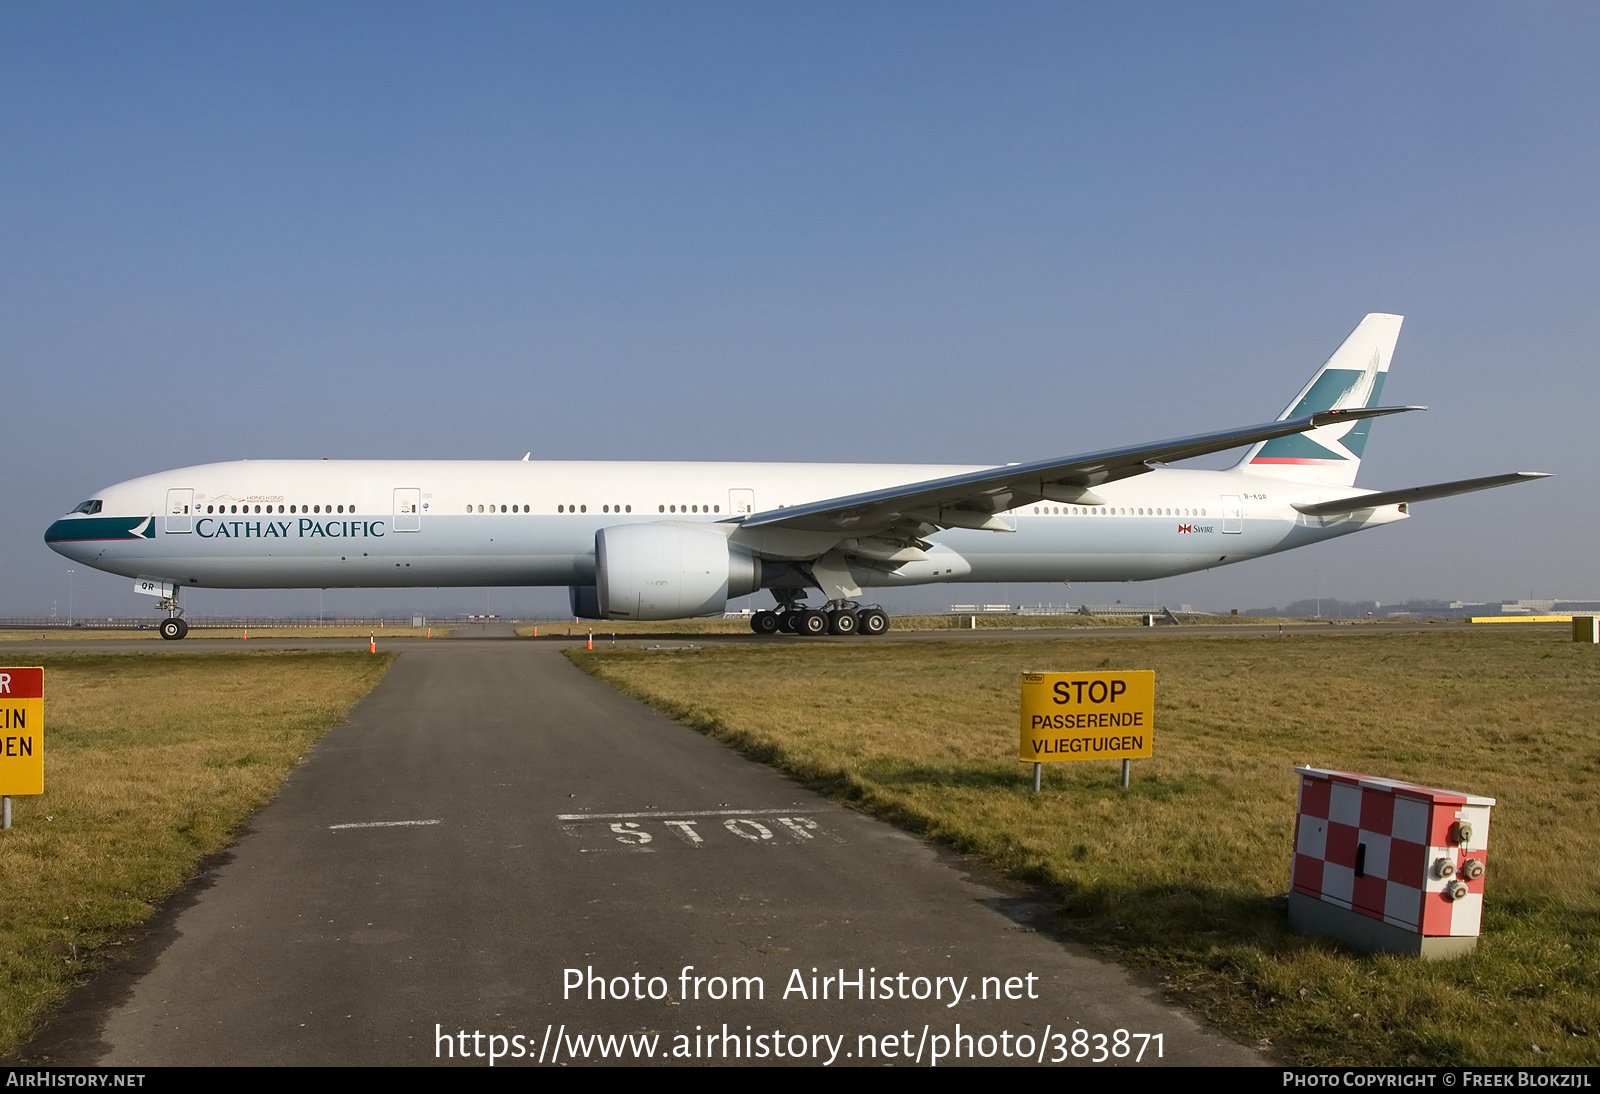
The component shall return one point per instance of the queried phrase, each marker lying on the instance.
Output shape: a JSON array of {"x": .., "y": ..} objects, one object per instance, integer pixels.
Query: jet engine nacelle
[
  {"x": 585, "y": 600},
  {"x": 669, "y": 571}
]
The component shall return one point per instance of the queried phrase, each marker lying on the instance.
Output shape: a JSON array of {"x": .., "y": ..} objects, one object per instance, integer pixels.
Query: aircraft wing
[
  {"x": 971, "y": 500},
  {"x": 1415, "y": 493}
]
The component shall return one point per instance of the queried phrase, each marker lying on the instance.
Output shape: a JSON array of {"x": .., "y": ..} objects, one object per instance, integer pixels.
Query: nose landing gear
[{"x": 173, "y": 627}]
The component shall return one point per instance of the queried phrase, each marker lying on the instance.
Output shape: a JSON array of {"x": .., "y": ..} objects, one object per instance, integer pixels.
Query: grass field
[
  {"x": 87, "y": 634},
  {"x": 151, "y": 762},
  {"x": 1178, "y": 875}
]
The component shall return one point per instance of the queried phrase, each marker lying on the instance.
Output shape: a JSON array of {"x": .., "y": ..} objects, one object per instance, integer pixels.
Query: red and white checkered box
[{"x": 1392, "y": 851}]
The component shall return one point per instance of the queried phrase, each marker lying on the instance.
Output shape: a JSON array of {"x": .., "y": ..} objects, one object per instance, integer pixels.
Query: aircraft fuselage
[{"x": 371, "y": 524}]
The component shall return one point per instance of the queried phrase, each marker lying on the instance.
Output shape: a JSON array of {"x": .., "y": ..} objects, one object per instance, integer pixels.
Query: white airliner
[{"x": 672, "y": 540}]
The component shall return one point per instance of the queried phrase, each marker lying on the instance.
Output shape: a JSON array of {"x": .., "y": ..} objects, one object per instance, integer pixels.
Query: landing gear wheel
[
  {"x": 764, "y": 622},
  {"x": 811, "y": 622},
  {"x": 173, "y": 628},
  {"x": 873, "y": 621},
  {"x": 789, "y": 622},
  {"x": 842, "y": 621}
]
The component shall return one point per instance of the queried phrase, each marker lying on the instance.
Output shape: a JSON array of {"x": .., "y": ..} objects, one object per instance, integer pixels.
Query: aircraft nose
[{"x": 61, "y": 538}]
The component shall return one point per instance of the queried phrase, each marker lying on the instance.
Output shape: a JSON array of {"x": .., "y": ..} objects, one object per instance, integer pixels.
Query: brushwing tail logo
[
  {"x": 1335, "y": 389},
  {"x": 1353, "y": 377}
]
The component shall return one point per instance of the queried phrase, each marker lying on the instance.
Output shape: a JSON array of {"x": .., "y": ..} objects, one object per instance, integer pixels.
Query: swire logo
[{"x": 1185, "y": 527}]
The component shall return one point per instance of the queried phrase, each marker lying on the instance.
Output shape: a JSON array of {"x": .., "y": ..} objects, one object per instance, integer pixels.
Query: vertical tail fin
[{"x": 1352, "y": 377}]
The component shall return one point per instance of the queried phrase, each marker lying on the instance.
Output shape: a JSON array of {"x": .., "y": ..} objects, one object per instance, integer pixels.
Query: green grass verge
[
  {"x": 151, "y": 762},
  {"x": 1180, "y": 873}
]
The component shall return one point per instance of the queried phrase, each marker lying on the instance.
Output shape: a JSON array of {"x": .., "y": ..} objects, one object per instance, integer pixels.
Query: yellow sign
[
  {"x": 22, "y": 731},
  {"x": 1088, "y": 715}
]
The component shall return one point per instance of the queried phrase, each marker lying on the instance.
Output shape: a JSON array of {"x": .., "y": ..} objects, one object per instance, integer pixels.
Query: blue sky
[{"x": 953, "y": 233}]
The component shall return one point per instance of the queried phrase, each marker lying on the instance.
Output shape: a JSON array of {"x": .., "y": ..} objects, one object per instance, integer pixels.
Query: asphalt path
[{"x": 496, "y": 845}]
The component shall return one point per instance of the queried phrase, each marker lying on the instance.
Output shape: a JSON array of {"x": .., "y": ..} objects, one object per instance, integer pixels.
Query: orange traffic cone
[
  {"x": 536, "y": 630},
  {"x": 372, "y": 642},
  {"x": 591, "y": 640}
]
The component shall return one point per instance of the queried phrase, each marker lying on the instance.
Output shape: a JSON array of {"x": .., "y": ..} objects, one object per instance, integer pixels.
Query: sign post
[
  {"x": 21, "y": 736},
  {"x": 1087, "y": 716}
]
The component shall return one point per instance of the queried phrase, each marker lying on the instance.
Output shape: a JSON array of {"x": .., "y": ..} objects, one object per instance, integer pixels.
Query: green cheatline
[{"x": 81, "y": 529}]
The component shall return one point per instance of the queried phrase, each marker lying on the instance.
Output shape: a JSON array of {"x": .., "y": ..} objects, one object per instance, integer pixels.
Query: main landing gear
[
  {"x": 173, "y": 627},
  {"x": 837, "y": 618}
]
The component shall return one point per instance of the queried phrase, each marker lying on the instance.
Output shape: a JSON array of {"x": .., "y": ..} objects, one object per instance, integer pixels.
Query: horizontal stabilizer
[{"x": 1415, "y": 493}]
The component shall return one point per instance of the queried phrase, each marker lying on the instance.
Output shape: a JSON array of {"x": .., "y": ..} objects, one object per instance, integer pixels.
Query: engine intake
[{"x": 669, "y": 571}]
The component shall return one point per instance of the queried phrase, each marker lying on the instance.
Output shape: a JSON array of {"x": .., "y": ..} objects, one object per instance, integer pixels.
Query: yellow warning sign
[
  {"x": 1088, "y": 715},
  {"x": 22, "y": 731}
]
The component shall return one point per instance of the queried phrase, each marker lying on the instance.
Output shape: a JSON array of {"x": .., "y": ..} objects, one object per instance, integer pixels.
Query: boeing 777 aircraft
[{"x": 672, "y": 540}]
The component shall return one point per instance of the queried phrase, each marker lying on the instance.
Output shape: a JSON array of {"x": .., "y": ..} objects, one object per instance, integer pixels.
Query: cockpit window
[{"x": 89, "y": 507}]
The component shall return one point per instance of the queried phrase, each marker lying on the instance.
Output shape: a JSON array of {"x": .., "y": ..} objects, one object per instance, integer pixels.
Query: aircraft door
[
  {"x": 180, "y": 511},
  {"x": 408, "y": 509},
  {"x": 1232, "y": 513},
  {"x": 741, "y": 503}
]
